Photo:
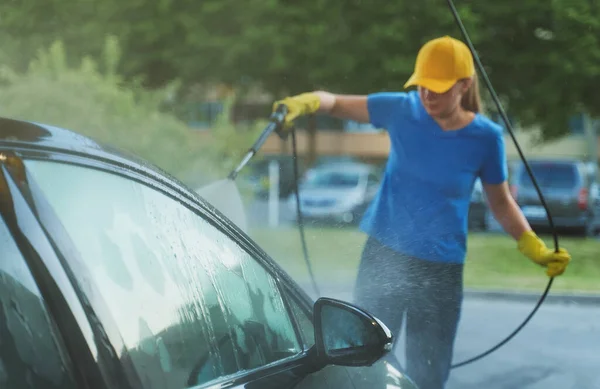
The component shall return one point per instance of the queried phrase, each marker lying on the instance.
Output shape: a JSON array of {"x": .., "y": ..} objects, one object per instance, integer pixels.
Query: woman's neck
[{"x": 458, "y": 119}]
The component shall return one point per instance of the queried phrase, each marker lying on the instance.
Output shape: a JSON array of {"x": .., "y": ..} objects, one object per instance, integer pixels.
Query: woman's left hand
[{"x": 535, "y": 249}]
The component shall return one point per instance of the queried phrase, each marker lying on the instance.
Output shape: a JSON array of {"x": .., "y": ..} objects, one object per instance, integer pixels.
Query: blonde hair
[{"x": 471, "y": 100}]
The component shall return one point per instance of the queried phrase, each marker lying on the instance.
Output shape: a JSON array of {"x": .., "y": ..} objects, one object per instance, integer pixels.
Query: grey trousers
[{"x": 390, "y": 285}]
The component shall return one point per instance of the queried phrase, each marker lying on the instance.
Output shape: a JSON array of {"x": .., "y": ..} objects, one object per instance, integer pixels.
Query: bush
[{"x": 99, "y": 104}]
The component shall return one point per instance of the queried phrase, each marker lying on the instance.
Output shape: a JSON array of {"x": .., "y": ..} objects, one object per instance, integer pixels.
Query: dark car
[
  {"x": 566, "y": 186},
  {"x": 594, "y": 202},
  {"x": 478, "y": 208},
  {"x": 115, "y": 275}
]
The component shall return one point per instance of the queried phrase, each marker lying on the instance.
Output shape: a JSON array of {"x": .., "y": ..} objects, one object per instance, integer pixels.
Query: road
[{"x": 558, "y": 349}]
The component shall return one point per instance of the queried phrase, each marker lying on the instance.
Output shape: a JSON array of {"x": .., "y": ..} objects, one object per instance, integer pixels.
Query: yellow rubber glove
[
  {"x": 299, "y": 105},
  {"x": 534, "y": 248}
]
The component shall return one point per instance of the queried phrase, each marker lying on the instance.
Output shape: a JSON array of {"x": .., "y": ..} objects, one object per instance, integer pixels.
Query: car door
[{"x": 183, "y": 304}]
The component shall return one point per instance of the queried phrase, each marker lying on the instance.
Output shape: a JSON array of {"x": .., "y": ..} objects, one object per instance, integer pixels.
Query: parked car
[
  {"x": 115, "y": 275},
  {"x": 337, "y": 192},
  {"x": 566, "y": 185},
  {"x": 478, "y": 208},
  {"x": 594, "y": 201}
]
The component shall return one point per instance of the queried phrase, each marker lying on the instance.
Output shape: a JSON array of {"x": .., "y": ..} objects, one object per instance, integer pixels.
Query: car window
[
  {"x": 318, "y": 179},
  {"x": 551, "y": 175},
  {"x": 189, "y": 303},
  {"x": 32, "y": 354}
]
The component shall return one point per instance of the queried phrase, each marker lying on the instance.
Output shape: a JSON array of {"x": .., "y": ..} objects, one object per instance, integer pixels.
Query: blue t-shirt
[{"x": 421, "y": 208}]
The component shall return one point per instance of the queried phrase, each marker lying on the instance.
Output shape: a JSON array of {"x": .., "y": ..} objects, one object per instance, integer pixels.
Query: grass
[{"x": 493, "y": 261}]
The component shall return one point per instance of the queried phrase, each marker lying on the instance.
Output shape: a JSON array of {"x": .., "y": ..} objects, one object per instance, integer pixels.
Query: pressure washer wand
[{"x": 276, "y": 124}]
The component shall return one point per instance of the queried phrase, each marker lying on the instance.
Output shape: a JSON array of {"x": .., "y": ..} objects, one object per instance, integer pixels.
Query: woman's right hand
[
  {"x": 346, "y": 107},
  {"x": 535, "y": 249},
  {"x": 299, "y": 105}
]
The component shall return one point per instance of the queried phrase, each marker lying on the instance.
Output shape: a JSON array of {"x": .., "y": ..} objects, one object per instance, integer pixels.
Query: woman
[{"x": 417, "y": 225}]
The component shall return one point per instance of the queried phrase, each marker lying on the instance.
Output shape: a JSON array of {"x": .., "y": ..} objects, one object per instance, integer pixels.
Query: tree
[{"x": 543, "y": 57}]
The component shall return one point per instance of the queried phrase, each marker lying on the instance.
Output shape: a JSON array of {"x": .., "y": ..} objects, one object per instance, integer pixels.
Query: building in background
[{"x": 330, "y": 137}]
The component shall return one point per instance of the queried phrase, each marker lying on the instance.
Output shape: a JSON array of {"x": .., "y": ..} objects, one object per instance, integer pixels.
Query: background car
[
  {"x": 566, "y": 186},
  {"x": 337, "y": 192},
  {"x": 478, "y": 208},
  {"x": 594, "y": 201},
  {"x": 115, "y": 275}
]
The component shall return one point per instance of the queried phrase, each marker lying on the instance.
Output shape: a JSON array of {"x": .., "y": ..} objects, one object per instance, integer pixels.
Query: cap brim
[{"x": 437, "y": 86}]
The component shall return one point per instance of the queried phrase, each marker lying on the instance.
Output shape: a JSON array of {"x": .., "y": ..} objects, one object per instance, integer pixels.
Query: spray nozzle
[{"x": 276, "y": 124}]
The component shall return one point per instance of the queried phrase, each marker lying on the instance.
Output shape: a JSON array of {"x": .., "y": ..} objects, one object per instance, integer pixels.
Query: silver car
[
  {"x": 337, "y": 192},
  {"x": 567, "y": 186}
]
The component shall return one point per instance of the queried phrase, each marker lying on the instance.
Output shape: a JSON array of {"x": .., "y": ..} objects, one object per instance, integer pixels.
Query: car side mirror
[{"x": 347, "y": 335}]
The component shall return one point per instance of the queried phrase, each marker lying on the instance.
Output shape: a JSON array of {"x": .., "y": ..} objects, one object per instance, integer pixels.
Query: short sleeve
[
  {"x": 495, "y": 167},
  {"x": 382, "y": 106}
]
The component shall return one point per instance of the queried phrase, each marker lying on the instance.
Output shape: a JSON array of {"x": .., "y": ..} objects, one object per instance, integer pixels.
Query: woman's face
[{"x": 443, "y": 105}]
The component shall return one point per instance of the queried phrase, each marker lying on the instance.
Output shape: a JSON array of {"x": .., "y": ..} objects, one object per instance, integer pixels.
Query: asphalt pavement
[{"x": 558, "y": 349}]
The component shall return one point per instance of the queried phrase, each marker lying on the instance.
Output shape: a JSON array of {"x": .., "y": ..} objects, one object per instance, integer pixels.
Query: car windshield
[
  {"x": 331, "y": 179},
  {"x": 551, "y": 175},
  {"x": 193, "y": 305}
]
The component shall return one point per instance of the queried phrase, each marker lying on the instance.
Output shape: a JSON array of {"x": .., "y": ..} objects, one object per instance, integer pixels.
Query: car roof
[
  {"x": 550, "y": 160},
  {"x": 13, "y": 131},
  {"x": 354, "y": 167},
  {"x": 20, "y": 134}
]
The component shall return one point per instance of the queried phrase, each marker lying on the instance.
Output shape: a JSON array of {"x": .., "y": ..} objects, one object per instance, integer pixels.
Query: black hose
[
  {"x": 541, "y": 196},
  {"x": 299, "y": 213},
  {"x": 509, "y": 337}
]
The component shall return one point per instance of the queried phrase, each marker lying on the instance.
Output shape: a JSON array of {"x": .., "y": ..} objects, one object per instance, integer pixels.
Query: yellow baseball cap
[{"x": 441, "y": 62}]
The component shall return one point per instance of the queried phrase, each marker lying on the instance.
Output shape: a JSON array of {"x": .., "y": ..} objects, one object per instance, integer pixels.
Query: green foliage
[
  {"x": 231, "y": 141},
  {"x": 124, "y": 115},
  {"x": 543, "y": 57}
]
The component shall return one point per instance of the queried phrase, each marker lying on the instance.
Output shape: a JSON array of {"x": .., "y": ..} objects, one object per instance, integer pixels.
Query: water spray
[{"x": 224, "y": 194}]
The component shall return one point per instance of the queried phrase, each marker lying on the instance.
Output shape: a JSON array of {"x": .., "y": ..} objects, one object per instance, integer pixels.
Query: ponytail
[{"x": 471, "y": 100}]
